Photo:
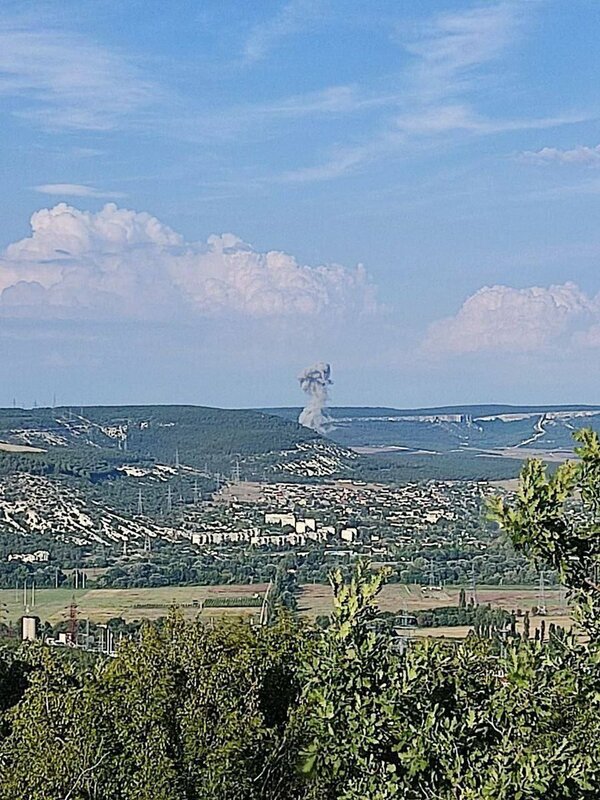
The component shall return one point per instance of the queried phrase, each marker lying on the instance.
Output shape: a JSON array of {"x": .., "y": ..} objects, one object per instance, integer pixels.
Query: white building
[
  {"x": 30, "y": 558},
  {"x": 349, "y": 534},
  {"x": 326, "y": 530},
  {"x": 29, "y": 628}
]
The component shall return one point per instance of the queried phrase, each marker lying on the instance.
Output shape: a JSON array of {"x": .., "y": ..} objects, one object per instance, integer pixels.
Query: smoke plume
[{"x": 315, "y": 382}]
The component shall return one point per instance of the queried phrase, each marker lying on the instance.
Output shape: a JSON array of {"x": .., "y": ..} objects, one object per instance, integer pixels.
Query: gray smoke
[{"x": 315, "y": 382}]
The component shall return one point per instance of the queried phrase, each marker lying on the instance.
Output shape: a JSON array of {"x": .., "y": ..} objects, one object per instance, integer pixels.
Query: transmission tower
[
  {"x": 196, "y": 490},
  {"x": 140, "y": 505},
  {"x": 177, "y": 457},
  {"x": 169, "y": 500}
]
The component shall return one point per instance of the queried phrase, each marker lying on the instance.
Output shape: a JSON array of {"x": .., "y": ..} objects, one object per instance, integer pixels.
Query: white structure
[
  {"x": 327, "y": 530},
  {"x": 29, "y": 629},
  {"x": 349, "y": 534},
  {"x": 30, "y": 558}
]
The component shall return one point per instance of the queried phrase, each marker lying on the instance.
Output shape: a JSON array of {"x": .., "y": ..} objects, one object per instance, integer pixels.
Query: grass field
[
  {"x": 102, "y": 604},
  {"x": 397, "y": 597}
]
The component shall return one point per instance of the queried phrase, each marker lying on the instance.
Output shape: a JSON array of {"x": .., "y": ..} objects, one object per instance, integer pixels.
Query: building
[
  {"x": 349, "y": 534},
  {"x": 29, "y": 627},
  {"x": 38, "y": 556},
  {"x": 280, "y": 519}
]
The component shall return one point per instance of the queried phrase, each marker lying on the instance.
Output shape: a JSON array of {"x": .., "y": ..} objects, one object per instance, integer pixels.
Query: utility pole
[
  {"x": 73, "y": 622},
  {"x": 431, "y": 575},
  {"x": 473, "y": 585},
  {"x": 542, "y": 610}
]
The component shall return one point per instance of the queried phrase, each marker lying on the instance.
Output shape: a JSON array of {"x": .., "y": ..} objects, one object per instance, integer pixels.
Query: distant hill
[
  {"x": 98, "y": 439},
  {"x": 155, "y": 431},
  {"x": 475, "y": 428},
  {"x": 85, "y": 473}
]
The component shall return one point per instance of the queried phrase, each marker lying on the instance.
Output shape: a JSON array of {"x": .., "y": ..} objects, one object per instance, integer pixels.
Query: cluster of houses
[
  {"x": 37, "y": 557},
  {"x": 280, "y": 529},
  {"x": 348, "y": 513}
]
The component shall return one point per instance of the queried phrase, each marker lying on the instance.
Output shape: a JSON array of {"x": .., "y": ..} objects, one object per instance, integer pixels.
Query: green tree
[{"x": 556, "y": 521}]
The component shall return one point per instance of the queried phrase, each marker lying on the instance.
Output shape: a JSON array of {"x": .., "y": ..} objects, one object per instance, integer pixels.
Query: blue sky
[{"x": 201, "y": 199}]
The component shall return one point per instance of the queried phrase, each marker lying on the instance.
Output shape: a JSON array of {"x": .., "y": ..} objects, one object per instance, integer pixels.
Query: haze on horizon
[{"x": 199, "y": 201}]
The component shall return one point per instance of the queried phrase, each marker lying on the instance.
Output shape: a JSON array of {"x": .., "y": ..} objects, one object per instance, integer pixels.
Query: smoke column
[{"x": 315, "y": 382}]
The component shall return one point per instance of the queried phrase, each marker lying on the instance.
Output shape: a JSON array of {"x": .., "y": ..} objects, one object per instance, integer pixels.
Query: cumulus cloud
[
  {"x": 119, "y": 263},
  {"x": 553, "y": 155},
  {"x": 502, "y": 318},
  {"x": 589, "y": 338},
  {"x": 73, "y": 190}
]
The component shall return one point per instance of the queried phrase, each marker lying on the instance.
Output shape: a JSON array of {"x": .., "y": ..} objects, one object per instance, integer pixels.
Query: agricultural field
[
  {"x": 397, "y": 597},
  {"x": 100, "y": 605}
]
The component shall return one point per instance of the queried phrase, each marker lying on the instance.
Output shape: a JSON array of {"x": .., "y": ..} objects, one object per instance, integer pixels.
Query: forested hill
[
  {"x": 100, "y": 438},
  {"x": 155, "y": 431}
]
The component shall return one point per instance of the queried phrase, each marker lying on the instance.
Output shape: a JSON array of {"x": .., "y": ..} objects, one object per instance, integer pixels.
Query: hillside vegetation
[{"x": 346, "y": 710}]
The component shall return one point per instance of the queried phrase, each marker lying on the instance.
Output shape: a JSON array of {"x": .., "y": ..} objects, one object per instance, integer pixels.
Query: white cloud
[
  {"x": 292, "y": 17},
  {"x": 451, "y": 49},
  {"x": 118, "y": 263},
  {"x": 453, "y": 54},
  {"x": 553, "y": 155},
  {"x": 73, "y": 190},
  {"x": 63, "y": 81},
  {"x": 507, "y": 319},
  {"x": 589, "y": 338},
  {"x": 332, "y": 101}
]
